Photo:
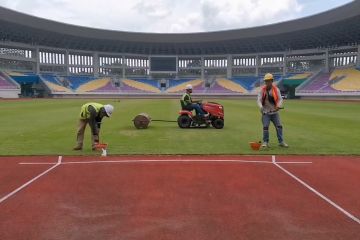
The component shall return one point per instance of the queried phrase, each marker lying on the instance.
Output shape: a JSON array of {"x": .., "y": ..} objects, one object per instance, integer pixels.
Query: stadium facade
[{"x": 317, "y": 44}]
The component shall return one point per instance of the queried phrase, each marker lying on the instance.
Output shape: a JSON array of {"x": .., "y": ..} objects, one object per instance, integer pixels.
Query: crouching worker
[
  {"x": 92, "y": 114},
  {"x": 270, "y": 101},
  {"x": 188, "y": 104}
]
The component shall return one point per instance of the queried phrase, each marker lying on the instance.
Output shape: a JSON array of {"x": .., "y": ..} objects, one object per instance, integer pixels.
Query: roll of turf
[{"x": 142, "y": 121}]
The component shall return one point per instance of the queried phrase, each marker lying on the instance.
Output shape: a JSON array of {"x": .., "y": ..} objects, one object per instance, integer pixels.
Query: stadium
[
  {"x": 316, "y": 56},
  {"x": 164, "y": 181}
]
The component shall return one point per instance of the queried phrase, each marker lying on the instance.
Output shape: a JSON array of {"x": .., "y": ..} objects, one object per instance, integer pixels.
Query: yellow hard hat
[{"x": 268, "y": 77}]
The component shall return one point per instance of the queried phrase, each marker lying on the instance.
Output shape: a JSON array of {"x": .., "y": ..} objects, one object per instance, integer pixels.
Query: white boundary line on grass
[
  {"x": 315, "y": 191},
  {"x": 162, "y": 161},
  {"x": 32, "y": 180}
]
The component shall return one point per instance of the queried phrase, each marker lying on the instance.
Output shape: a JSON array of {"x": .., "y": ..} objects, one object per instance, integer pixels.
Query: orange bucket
[
  {"x": 101, "y": 146},
  {"x": 255, "y": 146}
]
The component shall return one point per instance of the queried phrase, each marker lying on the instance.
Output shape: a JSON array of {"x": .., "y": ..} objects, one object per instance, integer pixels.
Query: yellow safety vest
[
  {"x": 183, "y": 99},
  {"x": 85, "y": 114}
]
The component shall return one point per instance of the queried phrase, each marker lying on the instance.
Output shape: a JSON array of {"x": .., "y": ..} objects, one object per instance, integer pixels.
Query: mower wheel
[
  {"x": 184, "y": 121},
  {"x": 218, "y": 123}
]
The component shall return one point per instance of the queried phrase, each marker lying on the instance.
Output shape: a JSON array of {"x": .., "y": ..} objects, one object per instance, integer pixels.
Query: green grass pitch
[{"x": 47, "y": 127}]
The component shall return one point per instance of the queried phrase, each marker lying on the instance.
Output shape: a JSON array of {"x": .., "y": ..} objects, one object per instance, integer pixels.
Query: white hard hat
[
  {"x": 189, "y": 87},
  {"x": 109, "y": 109}
]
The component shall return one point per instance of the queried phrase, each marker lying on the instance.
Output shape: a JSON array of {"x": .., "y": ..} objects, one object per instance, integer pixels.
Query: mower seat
[
  {"x": 185, "y": 112},
  {"x": 184, "y": 109}
]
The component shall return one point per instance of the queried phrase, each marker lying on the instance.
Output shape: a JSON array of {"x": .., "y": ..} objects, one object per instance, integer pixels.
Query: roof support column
[
  {"x": 327, "y": 61},
  {"x": 177, "y": 67},
  {"x": 124, "y": 66},
  {"x": 37, "y": 64},
  {"x": 257, "y": 65},
  {"x": 202, "y": 67},
  {"x": 229, "y": 67},
  {"x": 96, "y": 64},
  {"x": 284, "y": 64},
  {"x": 358, "y": 57},
  {"x": 67, "y": 62}
]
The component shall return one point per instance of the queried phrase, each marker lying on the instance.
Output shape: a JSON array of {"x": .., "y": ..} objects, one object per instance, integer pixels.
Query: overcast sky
[{"x": 171, "y": 16}]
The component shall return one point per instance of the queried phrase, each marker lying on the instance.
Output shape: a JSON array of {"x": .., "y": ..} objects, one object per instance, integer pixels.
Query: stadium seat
[
  {"x": 55, "y": 88},
  {"x": 231, "y": 85},
  {"x": 349, "y": 79},
  {"x": 147, "y": 81},
  {"x": 248, "y": 82},
  {"x": 137, "y": 86},
  {"x": 299, "y": 76},
  {"x": 97, "y": 85},
  {"x": 197, "y": 85},
  {"x": 5, "y": 83},
  {"x": 340, "y": 80}
]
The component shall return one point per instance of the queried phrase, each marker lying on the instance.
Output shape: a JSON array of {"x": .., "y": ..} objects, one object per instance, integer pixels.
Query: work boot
[
  {"x": 265, "y": 145},
  {"x": 283, "y": 144},
  {"x": 77, "y": 148}
]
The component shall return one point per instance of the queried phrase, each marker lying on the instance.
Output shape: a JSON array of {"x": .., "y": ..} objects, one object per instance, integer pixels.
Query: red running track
[{"x": 169, "y": 199}]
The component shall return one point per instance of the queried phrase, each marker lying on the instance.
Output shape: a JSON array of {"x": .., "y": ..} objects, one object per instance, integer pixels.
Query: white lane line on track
[
  {"x": 162, "y": 161},
  {"x": 59, "y": 162},
  {"x": 316, "y": 192}
]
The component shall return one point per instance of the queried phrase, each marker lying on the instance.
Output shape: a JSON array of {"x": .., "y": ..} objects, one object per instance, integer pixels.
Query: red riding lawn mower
[{"x": 216, "y": 116}]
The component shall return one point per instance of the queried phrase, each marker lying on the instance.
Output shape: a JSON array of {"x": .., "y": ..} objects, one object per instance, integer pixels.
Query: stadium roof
[{"x": 337, "y": 27}]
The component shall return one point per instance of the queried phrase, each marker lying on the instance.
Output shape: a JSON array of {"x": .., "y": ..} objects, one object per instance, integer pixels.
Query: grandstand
[
  {"x": 347, "y": 80},
  {"x": 78, "y": 85},
  {"x": 8, "y": 87},
  {"x": 6, "y": 83},
  {"x": 341, "y": 81},
  {"x": 313, "y": 56}
]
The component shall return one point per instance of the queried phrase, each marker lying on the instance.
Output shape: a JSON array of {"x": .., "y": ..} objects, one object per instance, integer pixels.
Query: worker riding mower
[{"x": 215, "y": 118}]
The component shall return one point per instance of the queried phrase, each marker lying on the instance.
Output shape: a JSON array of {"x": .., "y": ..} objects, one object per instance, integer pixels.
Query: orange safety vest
[{"x": 275, "y": 95}]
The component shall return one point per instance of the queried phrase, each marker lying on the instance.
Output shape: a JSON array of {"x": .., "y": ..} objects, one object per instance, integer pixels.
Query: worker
[
  {"x": 270, "y": 102},
  {"x": 188, "y": 104},
  {"x": 92, "y": 114}
]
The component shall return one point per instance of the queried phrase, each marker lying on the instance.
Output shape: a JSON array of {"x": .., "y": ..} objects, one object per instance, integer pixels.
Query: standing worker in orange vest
[{"x": 270, "y": 101}]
